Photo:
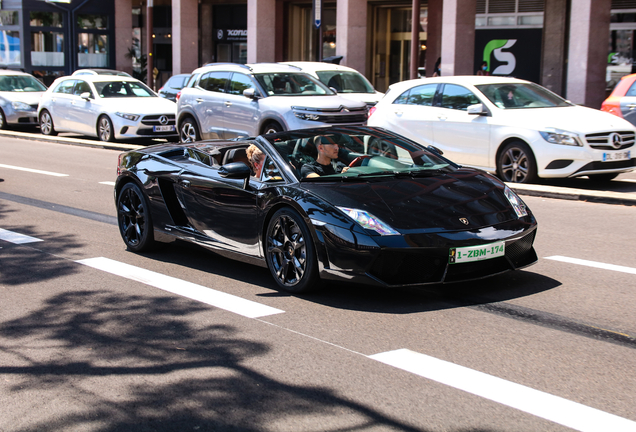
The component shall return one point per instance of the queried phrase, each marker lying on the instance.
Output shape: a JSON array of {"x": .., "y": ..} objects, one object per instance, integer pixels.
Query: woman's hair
[{"x": 254, "y": 154}]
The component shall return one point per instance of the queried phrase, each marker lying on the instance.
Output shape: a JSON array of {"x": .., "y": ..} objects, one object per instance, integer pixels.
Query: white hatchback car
[
  {"x": 106, "y": 106},
  {"x": 19, "y": 97},
  {"x": 514, "y": 128},
  {"x": 347, "y": 81}
]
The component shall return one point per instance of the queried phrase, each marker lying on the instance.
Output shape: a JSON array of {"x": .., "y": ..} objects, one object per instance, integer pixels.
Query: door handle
[
  {"x": 228, "y": 103},
  {"x": 399, "y": 113},
  {"x": 185, "y": 183},
  {"x": 631, "y": 106},
  {"x": 199, "y": 100},
  {"x": 442, "y": 117}
]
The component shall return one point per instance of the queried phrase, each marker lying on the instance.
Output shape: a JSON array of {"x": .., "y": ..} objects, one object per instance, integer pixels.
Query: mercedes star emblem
[{"x": 163, "y": 120}]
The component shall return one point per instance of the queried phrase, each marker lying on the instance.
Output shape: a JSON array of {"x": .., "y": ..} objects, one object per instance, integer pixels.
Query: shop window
[
  {"x": 47, "y": 49},
  {"x": 94, "y": 22},
  {"x": 9, "y": 47},
  {"x": 92, "y": 50},
  {"x": 9, "y": 18},
  {"x": 46, "y": 19}
]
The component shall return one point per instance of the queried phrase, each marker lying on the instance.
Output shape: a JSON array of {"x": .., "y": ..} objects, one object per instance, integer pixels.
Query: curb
[
  {"x": 628, "y": 199},
  {"x": 521, "y": 189}
]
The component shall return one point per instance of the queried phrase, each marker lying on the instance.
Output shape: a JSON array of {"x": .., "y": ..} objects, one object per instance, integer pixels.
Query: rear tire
[
  {"x": 272, "y": 127},
  {"x": 516, "y": 163},
  {"x": 134, "y": 219},
  {"x": 290, "y": 253},
  {"x": 188, "y": 131},
  {"x": 46, "y": 124},
  {"x": 3, "y": 120}
]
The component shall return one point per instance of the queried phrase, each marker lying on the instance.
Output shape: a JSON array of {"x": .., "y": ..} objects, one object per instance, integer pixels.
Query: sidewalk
[{"x": 626, "y": 197}]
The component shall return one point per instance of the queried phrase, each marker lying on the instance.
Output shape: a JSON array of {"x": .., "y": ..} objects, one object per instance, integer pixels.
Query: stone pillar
[
  {"x": 458, "y": 37},
  {"x": 185, "y": 36},
  {"x": 261, "y": 31},
  {"x": 433, "y": 35},
  {"x": 351, "y": 33},
  {"x": 553, "y": 50},
  {"x": 123, "y": 35},
  {"x": 207, "y": 53},
  {"x": 587, "y": 52}
]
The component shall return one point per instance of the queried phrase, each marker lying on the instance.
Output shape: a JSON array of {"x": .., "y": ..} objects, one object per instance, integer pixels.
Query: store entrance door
[{"x": 235, "y": 52}]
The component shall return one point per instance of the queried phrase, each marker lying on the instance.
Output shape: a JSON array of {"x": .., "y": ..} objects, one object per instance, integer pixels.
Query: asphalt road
[{"x": 216, "y": 347}]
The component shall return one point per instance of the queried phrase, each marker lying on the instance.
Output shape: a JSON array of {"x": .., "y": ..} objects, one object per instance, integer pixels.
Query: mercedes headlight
[
  {"x": 131, "y": 117},
  {"x": 21, "y": 106},
  {"x": 558, "y": 136},
  {"x": 517, "y": 204},
  {"x": 368, "y": 221}
]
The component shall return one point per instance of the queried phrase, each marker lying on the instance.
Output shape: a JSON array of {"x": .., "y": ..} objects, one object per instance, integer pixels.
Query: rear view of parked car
[
  {"x": 232, "y": 100},
  {"x": 514, "y": 128},
  {"x": 19, "y": 97},
  {"x": 170, "y": 89},
  {"x": 107, "y": 107}
]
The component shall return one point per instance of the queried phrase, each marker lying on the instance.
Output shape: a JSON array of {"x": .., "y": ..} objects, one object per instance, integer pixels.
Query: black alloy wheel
[
  {"x": 105, "y": 130},
  {"x": 290, "y": 252},
  {"x": 272, "y": 127},
  {"x": 188, "y": 132},
  {"x": 133, "y": 217},
  {"x": 516, "y": 163},
  {"x": 3, "y": 120},
  {"x": 46, "y": 124}
]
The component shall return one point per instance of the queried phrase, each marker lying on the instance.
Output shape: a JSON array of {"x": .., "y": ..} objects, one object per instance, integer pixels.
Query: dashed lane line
[
  {"x": 544, "y": 405},
  {"x": 49, "y": 173},
  {"x": 108, "y": 183},
  {"x": 594, "y": 264},
  {"x": 16, "y": 238},
  {"x": 231, "y": 303}
]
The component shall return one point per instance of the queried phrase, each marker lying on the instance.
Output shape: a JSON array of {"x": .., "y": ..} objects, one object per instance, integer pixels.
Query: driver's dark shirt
[{"x": 321, "y": 170}]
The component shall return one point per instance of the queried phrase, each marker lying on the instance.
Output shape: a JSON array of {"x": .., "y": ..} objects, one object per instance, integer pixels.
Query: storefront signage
[
  {"x": 514, "y": 52},
  {"x": 231, "y": 35}
]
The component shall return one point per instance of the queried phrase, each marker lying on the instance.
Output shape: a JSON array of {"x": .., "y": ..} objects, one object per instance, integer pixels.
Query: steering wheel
[{"x": 358, "y": 161}]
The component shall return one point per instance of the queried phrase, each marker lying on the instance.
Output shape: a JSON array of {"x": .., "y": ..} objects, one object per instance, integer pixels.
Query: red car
[{"x": 622, "y": 101}]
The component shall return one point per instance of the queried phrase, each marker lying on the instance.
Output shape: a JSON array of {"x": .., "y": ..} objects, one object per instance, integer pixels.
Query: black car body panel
[{"x": 431, "y": 214}]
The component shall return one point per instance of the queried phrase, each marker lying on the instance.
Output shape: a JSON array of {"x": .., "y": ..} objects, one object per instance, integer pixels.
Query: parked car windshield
[
  {"x": 367, "y": 152},
  {"x": 346, "y": 82},
  {"x": 112, "y": 89},
  {"x": 521, "y": 95},
  {"x": 291, "y": 84},
  {"x": 20, "y": 83}
]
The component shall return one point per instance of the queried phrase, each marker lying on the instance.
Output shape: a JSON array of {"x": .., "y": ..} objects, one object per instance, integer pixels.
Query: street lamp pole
[{"x": 149, "y": 45}]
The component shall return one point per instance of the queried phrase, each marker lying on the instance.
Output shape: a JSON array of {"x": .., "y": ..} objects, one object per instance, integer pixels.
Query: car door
[
  {"x": 412, "y": 114},
  {"x": 241, "y": 113},
  {"x": 220, "y": 208},
  {"x": 60, "y": 105},
  {"x": 82, "y": 112},
  {"x": 208, "y": 103},
  {"x": 628, "y": 105},
  {"x": 464, "y": 138}
]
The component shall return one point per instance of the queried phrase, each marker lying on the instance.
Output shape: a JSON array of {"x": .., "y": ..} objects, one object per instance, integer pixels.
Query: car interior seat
[{"x": 236, "y": 155}]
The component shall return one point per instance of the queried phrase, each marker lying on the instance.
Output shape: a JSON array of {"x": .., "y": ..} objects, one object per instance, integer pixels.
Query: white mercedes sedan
[
  {"x": 514, "y": 128},
  {"x": 107, "y": 107}
]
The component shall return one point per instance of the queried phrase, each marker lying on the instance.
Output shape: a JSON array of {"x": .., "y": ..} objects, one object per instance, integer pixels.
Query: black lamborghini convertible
[{"x": 400, "y": 214}]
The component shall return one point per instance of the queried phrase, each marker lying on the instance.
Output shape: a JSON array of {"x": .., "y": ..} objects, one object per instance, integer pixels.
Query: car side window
[
  {"x": 422, "y": 95},
  {"x": 65, "y": 87},
  {"x": 631, "y": 91},
  {"x": 82, "y": 87},
  {"x": 270, "y": 171},
  {"x": 457, "y": 97},
  {"x": 403, "y": 98},
  {"x": 239, "y": 83},
  {"x": 214, "y": 81}
]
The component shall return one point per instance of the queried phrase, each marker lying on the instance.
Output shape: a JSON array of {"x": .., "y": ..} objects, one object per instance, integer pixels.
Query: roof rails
[{"x": 229, "y": 64}]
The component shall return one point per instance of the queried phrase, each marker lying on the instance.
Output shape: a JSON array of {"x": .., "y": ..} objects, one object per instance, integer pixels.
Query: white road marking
[
  {"x": 33, "y": 170},
  {"x": 108, "y": 183},
  {"x": 553, "y": 408},
  {"x": 231, "y": 303},
  {"x": 594, "y": 264},
  {"x": 16, "y": 238}
]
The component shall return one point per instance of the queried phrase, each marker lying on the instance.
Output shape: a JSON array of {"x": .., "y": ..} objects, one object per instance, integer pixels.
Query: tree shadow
[{"x": 78, "y": 341}]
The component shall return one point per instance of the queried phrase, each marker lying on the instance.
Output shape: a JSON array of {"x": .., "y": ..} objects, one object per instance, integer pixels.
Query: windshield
[
  {"x": 112, "y": 89},
  {"x": 291, "y": 84},
  {"x": 358, "y": 153},
  {"x": 20, "y": 83},
  {"x": 524, "y": 95},
  {"x": 346, "y": 82}
]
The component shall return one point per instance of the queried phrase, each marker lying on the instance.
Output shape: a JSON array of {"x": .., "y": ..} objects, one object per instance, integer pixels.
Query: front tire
[
  {"x": 46, "y": 124},
  {"x": 272, "y": 127},
  {"x": 105, "y": 130},
  {"x": 290, "y": 252},
  {"x": 3, "y": 120},
  {"x": 189, "y": 132},
  {"x": 134, "y": 220},
  {"x": 516, "y": 163}
]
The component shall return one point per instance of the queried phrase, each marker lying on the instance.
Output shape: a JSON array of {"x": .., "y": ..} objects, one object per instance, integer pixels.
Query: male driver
[{"x": 326, "y": 163}]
